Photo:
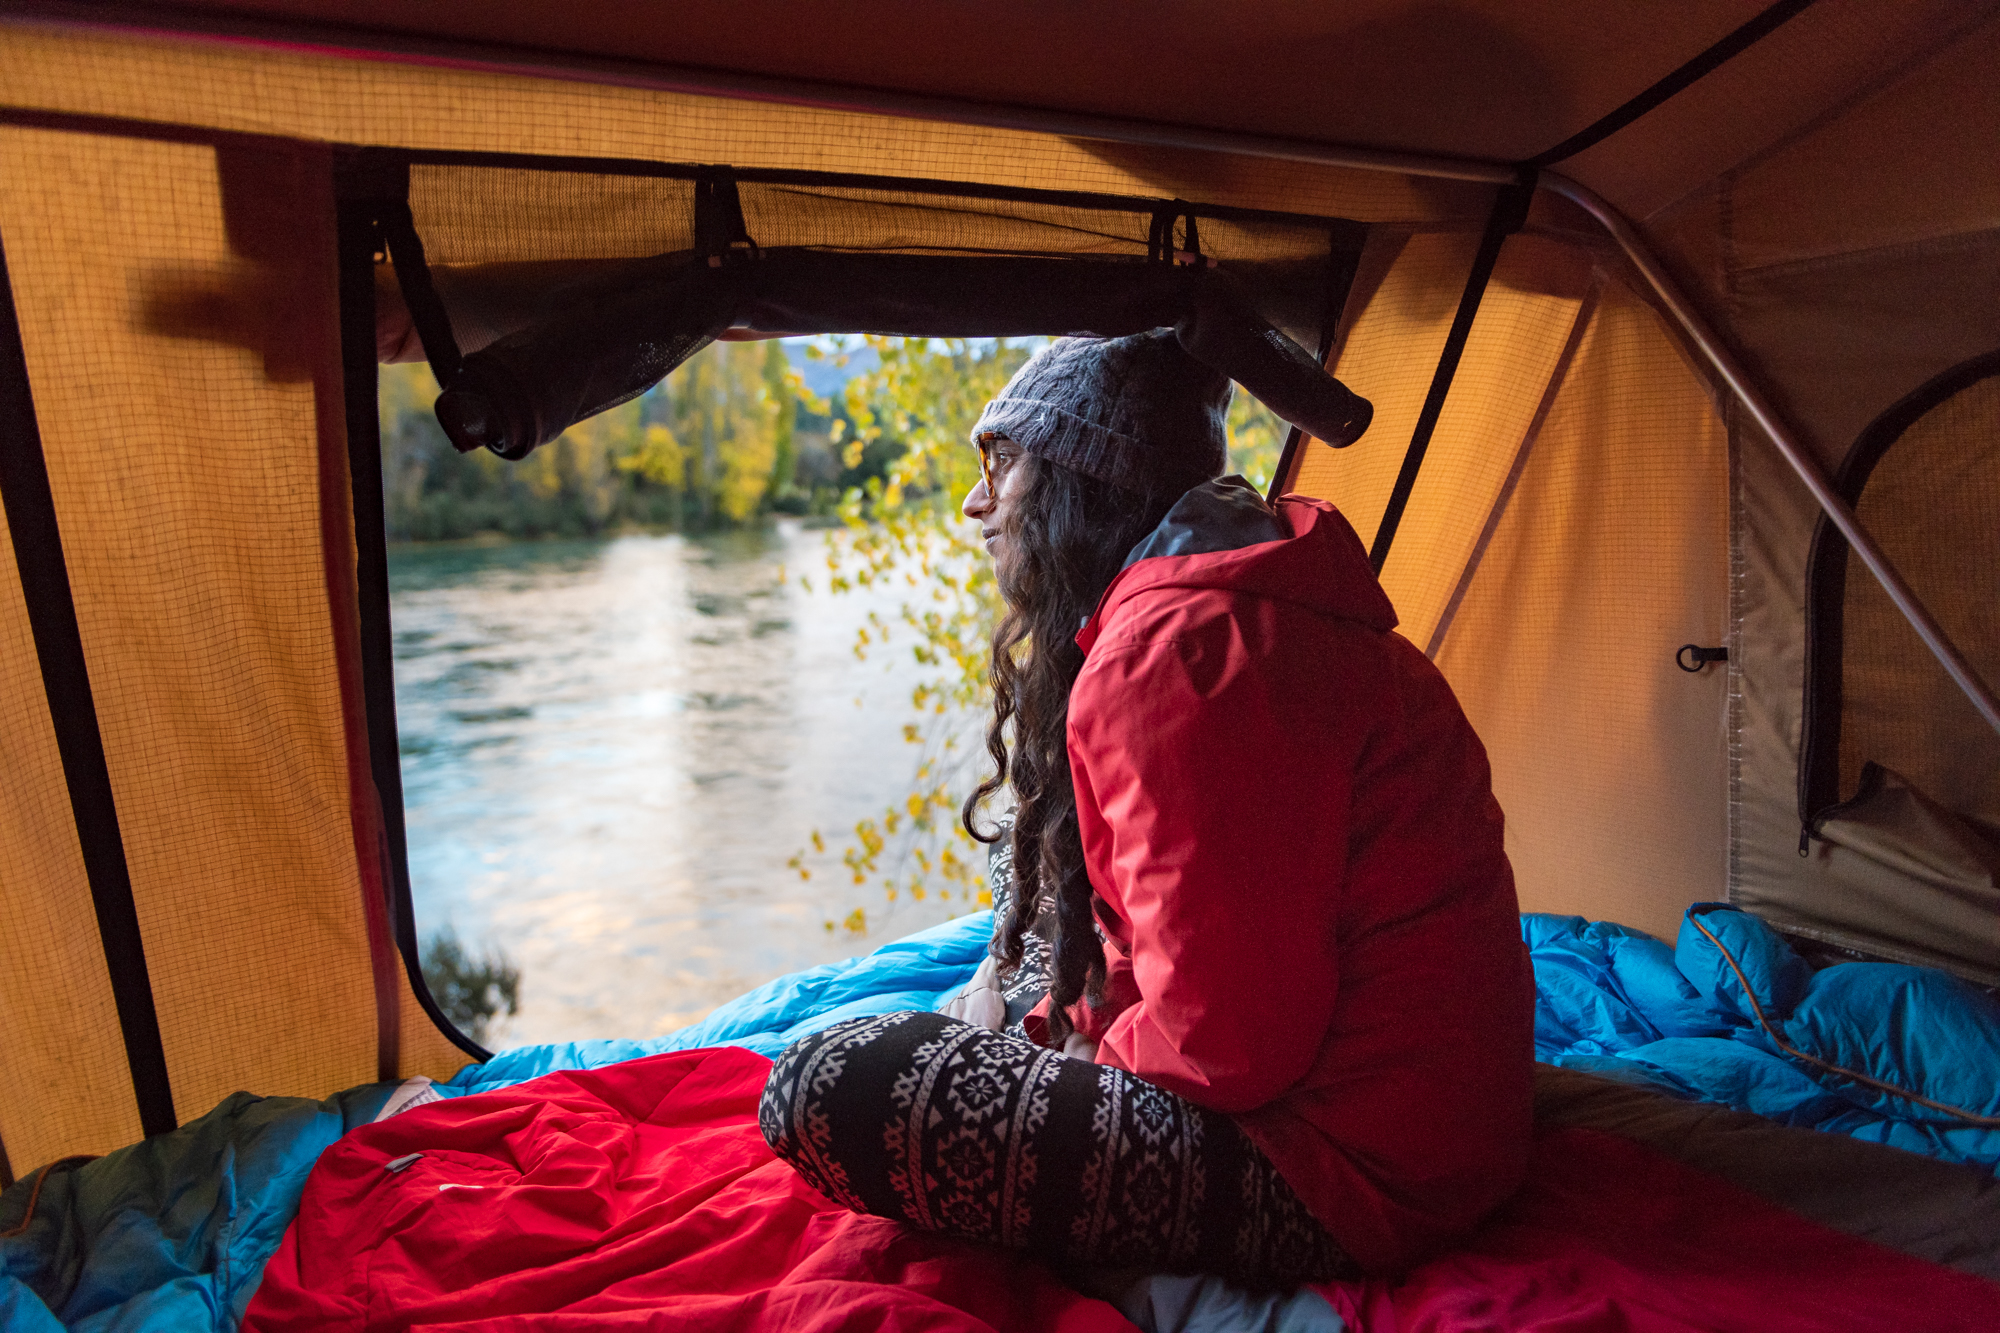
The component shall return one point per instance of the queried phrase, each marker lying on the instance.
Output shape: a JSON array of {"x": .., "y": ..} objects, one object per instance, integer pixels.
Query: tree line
[{"x": 731, "y": 436}]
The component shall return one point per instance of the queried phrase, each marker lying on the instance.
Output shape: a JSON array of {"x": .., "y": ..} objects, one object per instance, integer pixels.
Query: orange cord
[
  {"x": 1989, "y": 1121},
  {"x": 35, "y": 1194}
]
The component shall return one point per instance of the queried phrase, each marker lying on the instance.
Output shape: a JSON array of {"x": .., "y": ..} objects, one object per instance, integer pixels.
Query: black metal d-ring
[{"x": 1692, "y": 657}]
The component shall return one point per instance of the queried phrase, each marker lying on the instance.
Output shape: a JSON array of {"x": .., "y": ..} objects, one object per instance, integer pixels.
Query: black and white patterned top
[{"x": 1029, "y": 982}]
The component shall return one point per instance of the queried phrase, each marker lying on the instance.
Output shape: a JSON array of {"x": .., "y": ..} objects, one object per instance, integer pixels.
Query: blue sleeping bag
[
  {"x": 171, "y": 1233},
  {"x": 912, "y": 973},
  {"x": 1907, "y": 1056}
]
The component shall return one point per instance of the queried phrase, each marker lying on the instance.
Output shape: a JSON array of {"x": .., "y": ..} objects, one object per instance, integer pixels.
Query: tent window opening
[
  {"x": 1894, "y": 762},
  {"x": 543, "y": 293}
]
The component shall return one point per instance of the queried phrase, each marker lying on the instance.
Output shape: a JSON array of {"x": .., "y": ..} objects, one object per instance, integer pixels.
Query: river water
[{"x": 611, "y": 749}]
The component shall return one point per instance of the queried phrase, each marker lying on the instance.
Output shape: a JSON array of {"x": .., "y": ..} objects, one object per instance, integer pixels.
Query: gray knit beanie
[{"x": 1130, "y": 411}]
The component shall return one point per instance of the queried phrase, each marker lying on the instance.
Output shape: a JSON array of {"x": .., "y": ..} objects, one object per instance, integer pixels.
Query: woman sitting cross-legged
[{"x": 1289, "y": 1030}]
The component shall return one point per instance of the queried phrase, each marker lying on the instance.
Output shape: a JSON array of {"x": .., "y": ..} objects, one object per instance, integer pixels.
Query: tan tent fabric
[
  {"x": 1909, "y": 861},
  {"x": 64, "y": 1086},
  {"x": 1389, "y": 358},
  {"x": 1858, "y": 261},
  {"x": 1942, "y": 112},
  {"x": 293, "y": 93},
  {"x": 1829, "y": 55},
  {"x": 482, "y": 215},
  {"x": 1890, "y": 846},
  {"x": 1381, "y": 71},
  {"x": 184, "y": 468},
  {"x": 1610, "y": 555},
  {"x": 1608, "y": 759},
  {"x": 1388, "y": 355},
  {"x": 1494, "y": 79}
]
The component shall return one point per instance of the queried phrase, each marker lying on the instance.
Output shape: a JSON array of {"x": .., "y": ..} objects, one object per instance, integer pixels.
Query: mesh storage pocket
[
  {"x": 1899, "y": 775},
  {"x": 1924, "y": 478}
]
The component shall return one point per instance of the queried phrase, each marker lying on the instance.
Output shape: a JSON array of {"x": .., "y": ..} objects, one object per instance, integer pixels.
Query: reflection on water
[{"x": 611, "y": 748}]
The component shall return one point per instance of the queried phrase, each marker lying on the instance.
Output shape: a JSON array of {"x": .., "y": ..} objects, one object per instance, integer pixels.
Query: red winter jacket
[{"x": 1312, "y": 922}]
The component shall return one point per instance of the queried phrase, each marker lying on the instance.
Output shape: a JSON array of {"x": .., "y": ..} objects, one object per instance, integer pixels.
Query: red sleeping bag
[
  {"x": 636, "y": 1197},
  {"x": 641, "y": 1196}
]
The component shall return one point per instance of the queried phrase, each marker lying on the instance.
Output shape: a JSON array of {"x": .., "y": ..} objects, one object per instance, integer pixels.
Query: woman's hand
[
  {"x": 980, "y": 1003},
  {"x": 1079, "y": 1047}
]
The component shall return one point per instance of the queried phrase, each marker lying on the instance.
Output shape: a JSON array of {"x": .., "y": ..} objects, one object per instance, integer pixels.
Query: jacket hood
[{"x": 1222, "y": 535}]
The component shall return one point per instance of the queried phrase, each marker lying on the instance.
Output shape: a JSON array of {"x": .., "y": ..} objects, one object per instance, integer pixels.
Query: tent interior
[{"x": 1554, "y": 250}]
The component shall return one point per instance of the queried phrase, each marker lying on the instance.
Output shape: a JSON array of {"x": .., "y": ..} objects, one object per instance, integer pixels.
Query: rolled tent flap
[{"x": 528, "y": 387}]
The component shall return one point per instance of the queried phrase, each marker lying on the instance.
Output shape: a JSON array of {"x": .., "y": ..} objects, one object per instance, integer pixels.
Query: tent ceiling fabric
[
  {"x": 1498, "y": 79},
  {"x": 300, "y": 92},
  {"x": 1494, "y": 80}
]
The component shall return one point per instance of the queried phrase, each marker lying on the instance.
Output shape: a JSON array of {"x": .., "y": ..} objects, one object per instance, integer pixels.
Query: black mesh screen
[{"x": 1925, "y": 480}]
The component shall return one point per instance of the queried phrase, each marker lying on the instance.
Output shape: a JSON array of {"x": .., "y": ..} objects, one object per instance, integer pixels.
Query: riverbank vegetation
[
  {"x": 472, "y": 989},
  {"x": 730, "y": 438}
]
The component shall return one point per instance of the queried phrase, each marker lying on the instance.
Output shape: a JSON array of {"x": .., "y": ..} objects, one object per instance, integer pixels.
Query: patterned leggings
[{"x": 985, "y": 1136}]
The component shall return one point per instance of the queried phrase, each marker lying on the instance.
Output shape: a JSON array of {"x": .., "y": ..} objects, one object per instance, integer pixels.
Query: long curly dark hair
[{"x": 1068, "y": 536}]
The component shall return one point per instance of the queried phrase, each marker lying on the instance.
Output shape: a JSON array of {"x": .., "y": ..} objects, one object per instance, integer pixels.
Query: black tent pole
[
  {"x": 44, "y": 573},
  {"x": 1510, "y": 210}
]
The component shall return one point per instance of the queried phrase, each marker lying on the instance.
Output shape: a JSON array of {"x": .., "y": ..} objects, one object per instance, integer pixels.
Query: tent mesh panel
[{"x": 1934, "y": 505}]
